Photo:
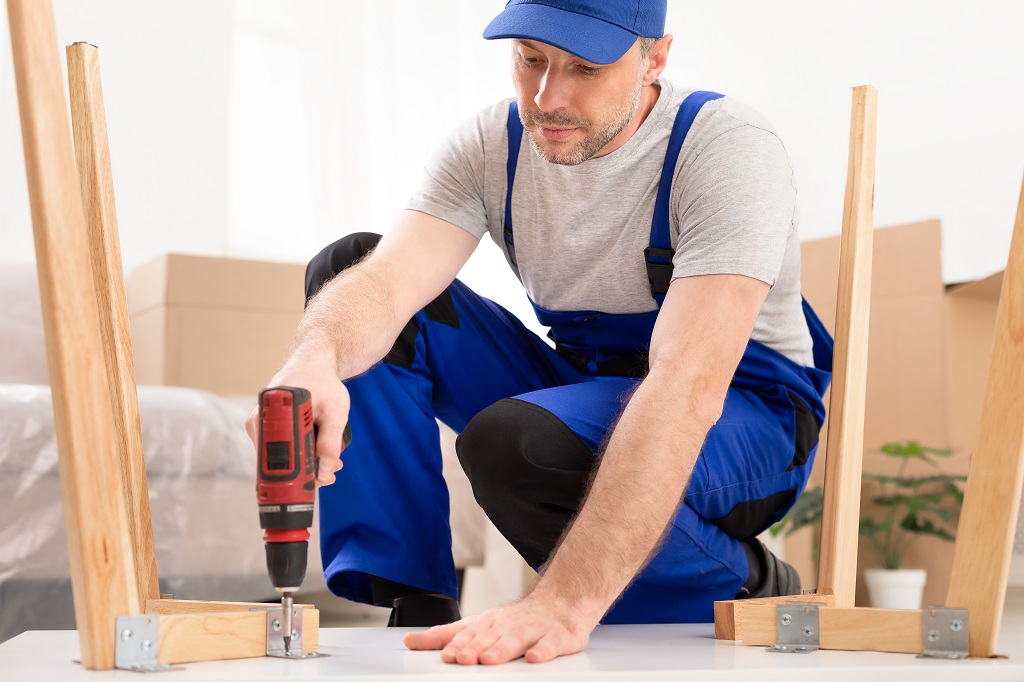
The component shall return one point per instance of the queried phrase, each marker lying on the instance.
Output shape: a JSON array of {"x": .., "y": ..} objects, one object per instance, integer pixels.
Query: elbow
[
  {"x": 706, "y": 408},
  {"x": 699, "y": 391}
]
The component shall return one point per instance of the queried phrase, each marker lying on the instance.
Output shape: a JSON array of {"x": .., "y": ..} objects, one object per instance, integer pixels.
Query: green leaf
[
  {"x": 868, "y": 526},
  {"x": 913, "y": 524},
  {"x": 806, "y": 511},
  {"x": 915, "y": 503},
  {"x": 913, "y": 448},
  {"x": 909, "y": 506}
]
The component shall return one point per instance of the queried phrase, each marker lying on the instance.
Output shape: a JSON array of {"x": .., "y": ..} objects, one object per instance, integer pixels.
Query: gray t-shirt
[{"x": 580, "y": 231}]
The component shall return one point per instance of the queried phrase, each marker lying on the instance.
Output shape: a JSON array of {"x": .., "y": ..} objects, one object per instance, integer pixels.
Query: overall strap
[
  {"x": 515, "y": 138},
  {"x": 659, "y": 254}
]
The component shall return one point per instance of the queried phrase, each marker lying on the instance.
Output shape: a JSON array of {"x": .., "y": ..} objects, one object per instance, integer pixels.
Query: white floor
[{"x": 616, "y": 652}]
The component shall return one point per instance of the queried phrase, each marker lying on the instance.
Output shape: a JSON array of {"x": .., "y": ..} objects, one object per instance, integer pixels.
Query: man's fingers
[
  {"x": 499, "y": 636},
  {"x": 434, "y": 638},
  {"x": 461, "y": 640},
  {"x": 329, "y": 444},
  {"x": 507, "y": 648},
  {"x": 546, "y": 648},
  {"x": 470, "y": 643},
  {"x": 456, "y": 643}
]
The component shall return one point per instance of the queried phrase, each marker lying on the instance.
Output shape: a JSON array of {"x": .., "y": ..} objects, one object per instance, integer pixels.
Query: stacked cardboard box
[
  {"x": 928, "y": 353},
  {"x": 219, "y": 324}
]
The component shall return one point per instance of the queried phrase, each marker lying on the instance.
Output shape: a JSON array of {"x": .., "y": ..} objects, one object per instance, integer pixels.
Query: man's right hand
[
  {"x": 315, "y": 372},
  {"x": 354, "y": 320}
]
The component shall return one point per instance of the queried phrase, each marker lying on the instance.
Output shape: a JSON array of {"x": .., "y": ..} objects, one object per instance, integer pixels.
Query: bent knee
[
  {"x": 514, "y": 443},
  {"x": 335, "y": 257}
]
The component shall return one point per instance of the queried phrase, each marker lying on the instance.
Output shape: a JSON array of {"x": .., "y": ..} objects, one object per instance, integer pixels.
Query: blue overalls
[{"x": 387, "y": 514}]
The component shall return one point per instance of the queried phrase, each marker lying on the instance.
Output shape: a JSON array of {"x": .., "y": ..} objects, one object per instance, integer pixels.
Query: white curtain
[{"x": 335, "y": 106}]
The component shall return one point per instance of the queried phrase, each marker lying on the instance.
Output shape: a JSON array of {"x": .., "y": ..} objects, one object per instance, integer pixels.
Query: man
[{"x": 655, "y": 232}]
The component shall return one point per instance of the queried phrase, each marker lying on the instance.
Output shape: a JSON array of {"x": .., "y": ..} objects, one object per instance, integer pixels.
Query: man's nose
[{"x": 555, "y": 91}]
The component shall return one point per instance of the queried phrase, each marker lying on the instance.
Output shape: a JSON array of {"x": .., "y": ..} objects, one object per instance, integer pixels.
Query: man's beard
[{"x": 593, "y": 142}]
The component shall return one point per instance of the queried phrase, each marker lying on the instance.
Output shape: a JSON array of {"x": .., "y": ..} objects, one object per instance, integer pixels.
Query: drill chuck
[{"x": 286, "y": 564}]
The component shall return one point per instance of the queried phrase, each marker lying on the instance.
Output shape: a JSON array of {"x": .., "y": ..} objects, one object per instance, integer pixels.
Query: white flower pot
[{"x": 900, "y": 588}]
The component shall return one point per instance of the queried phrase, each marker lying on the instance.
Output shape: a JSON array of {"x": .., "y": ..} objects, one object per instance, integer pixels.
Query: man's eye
[{"x": 589, "y": 70}]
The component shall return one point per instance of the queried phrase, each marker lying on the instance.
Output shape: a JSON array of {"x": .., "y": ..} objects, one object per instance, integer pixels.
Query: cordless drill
[{"x": 286, "y": 488}]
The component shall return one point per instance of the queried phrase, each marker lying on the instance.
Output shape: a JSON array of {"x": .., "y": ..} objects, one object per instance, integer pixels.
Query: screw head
[
  {"x": 933, "y": 636},
  {"x": 147, "y": 644},
  {"x": 956, "y": 625},
  {"x": 126, "y": 634},
  {"x": 276, "y": 625},
  {"x": 786, "y": 619},
  {"x": 295, "y": 634},
  {"x": 808, "y": 631}
]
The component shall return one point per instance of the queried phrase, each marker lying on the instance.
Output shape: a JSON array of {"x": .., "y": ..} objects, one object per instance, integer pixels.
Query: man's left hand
[{"x": 533, "y": 629}]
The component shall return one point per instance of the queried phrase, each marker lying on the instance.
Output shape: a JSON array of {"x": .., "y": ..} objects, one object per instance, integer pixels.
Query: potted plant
[{"x": 905, "y": 509}]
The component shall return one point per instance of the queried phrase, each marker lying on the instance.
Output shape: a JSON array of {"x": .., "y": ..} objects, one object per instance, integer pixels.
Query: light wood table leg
[
  {"x": 837, "y": 569},
  {"x": 837, "y": 564},
  {"x": 99, "y": 546},
  {"x": 988, "y": 519},
  {"x": 92, "y": 152}
]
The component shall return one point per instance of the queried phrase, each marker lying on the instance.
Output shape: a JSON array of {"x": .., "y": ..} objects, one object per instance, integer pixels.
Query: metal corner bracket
[
  {"x": 275, "y": 637},
  {"x": 136, "y": 643},
  {"x": 797, "y": 627},
  {"x": 944, "y": 633}
]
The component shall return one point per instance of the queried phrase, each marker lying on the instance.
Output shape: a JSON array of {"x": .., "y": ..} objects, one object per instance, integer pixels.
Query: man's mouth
[{"x": 556, "y": 134}]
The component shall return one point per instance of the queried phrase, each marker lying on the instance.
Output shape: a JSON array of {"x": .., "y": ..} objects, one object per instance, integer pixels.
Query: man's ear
[{"x": 657, "y": 59}]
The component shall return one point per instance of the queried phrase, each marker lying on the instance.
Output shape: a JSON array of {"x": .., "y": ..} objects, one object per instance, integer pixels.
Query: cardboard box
[
  {"x": 219, "y": 324},
  {"x": 928, "y": 353}
]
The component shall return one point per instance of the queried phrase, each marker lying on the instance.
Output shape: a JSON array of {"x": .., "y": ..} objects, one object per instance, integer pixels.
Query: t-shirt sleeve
[
  {"x": 735, "y": 207},
  {"x": 452, "y": 186}
]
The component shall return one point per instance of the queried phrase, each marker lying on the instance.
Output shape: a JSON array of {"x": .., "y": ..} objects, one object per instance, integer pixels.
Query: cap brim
[{"x": 591, "y": 39}]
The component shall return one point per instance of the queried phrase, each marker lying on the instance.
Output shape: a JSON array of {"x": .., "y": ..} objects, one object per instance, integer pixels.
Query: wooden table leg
[
  {"x": 99, "y": 546},
  {"x": 92, "y": 153},
  {"x": 988, "y": 519},
  {"x": 837, "y": 563}
]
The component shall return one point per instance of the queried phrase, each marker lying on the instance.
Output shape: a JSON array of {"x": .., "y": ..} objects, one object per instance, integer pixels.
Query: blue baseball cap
[{"x": 599, "y": 31}]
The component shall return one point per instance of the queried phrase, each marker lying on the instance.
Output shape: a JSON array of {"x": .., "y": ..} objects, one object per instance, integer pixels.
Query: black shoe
[
  {"x": 770, "y": 576},
  {"x": 423, "y": 610}
]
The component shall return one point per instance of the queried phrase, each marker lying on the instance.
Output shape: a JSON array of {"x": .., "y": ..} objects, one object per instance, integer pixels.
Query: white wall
[
  {"x": 951, "y": 104},
  {"x": 267, "y": 129},
  {"x": 165, "y": 75}
]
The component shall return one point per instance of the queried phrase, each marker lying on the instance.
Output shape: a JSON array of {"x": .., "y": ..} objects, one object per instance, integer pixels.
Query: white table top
[{"x": 616, "y": 652}]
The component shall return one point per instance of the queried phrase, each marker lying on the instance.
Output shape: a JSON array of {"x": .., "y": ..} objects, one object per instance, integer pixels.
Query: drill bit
[{"x": 286, "y": 621}]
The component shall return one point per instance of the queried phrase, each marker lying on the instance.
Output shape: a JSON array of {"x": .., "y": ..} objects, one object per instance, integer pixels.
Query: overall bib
[{"x": 387, "y": 514}]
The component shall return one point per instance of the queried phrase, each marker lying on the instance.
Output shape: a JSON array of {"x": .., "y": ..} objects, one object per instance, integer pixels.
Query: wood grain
[
  {"x": 220, "y": 636},
  {"x": 988, "y": 519},
  {"x": 729, "y": 613},
  {"x": 92, "y": 153},
  {"x": 837, "y": 564},
  {"x": 848, "y": 629},
  {"x": 177, "y": 606},
  {"x": 99, "y": 547}
]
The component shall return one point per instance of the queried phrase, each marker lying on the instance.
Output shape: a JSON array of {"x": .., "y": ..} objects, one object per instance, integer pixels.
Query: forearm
[
  {"x": 356, "y": 317},
  {"x": 638, "y": 487},
  {"x": 352, "y": 319}
]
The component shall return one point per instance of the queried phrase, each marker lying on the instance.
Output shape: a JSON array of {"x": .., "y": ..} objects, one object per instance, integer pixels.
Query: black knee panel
[
  {"x": 342, "y": 254},
  {"x": 529, "y": 472}
]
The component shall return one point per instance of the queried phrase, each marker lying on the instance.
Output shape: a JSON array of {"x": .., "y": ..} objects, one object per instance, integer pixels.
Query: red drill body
[
  {"x": 286, "y": 470},
  {"x": 285, "y": 489}
]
